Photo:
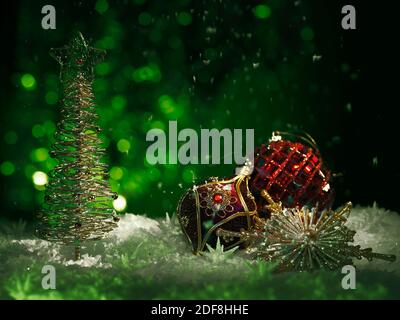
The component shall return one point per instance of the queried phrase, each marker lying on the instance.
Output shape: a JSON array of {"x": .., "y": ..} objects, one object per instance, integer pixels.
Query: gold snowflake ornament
[{"x": 302, "y": 240}]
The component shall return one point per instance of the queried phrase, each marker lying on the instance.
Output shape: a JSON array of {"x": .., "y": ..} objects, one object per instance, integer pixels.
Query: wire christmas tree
[{"x": 78, "y": 198}]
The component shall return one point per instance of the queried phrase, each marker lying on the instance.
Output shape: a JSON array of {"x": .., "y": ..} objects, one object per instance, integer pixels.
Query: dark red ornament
[
  {"x": 292, "y": 173},
  {"x": 226, "y": 204}
]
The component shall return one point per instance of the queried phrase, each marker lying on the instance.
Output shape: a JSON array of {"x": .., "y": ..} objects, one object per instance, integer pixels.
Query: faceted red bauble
[{"x": 292, "y": 173}]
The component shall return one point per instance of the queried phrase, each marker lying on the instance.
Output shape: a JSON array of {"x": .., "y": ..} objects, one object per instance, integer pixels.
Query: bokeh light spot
[
  {"x": 157, "y": 125},
  {"x": 151, "y": 72},
  {"x": 49, "y": 127},
  {"x": 101, "y": 6},
  {"x": 166, "y": 104},
  {"x": 262, "y": 11},
  {"x": 144, "y": 19},
  {"x": 103, "y": 68},
  {"x": 107, "y": 42},
  {"x": 169, "y": 107},
  {"x": 116, "y": 173},
  {"x": 50, "y": 163},
  {"x": 345, "y": 67},
  {"x": 154, "y": 174},
  {"x": 39, "y": 178},
  {"x": 7, "y": 168},
  {"x": 38, "y": 131},
  {"x": 184, "y": 18},
  {"x": 307, "y": 34},
  {"x": 123, "y": 145},
  {"x": 51, "y": 97},
  {"x": 118, "y": 102},
  {"x": 354, "y": 76},
  {"x": 119, "y": 204},
  {"x": 28, "y": 81},
  {"x": 40, "y": 154}
]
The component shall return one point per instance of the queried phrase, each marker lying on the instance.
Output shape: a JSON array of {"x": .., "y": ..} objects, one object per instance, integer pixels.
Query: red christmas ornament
[
  {"x": 219, "y": 203},
  {"x": 291, "y": 173}
]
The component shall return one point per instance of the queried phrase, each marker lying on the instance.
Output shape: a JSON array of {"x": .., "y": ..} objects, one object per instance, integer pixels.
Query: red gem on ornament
[
  {"x": 79, "y": 62},
  {"x": 217, "y": 198}
]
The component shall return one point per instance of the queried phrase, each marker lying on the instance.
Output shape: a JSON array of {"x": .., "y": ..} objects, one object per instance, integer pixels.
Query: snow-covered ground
[{"x": 156, "y": 249}]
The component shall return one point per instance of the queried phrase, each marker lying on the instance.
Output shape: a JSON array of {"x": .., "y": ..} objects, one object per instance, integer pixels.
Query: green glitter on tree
[{"x": 78, "y": 198}]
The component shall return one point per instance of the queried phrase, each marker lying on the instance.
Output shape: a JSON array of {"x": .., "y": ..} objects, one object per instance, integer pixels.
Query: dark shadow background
[{"x": 207, "y": 64}]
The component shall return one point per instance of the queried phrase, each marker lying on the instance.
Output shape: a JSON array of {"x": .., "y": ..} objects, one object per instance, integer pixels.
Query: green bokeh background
[{"x": 265, "y": 65}]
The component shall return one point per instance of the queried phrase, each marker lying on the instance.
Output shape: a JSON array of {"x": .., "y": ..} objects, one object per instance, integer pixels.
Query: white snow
[
  {"x": 138, "y": 235},
  {"x": 131, "y": 224},
  {"x": 378, "y": 229}
]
